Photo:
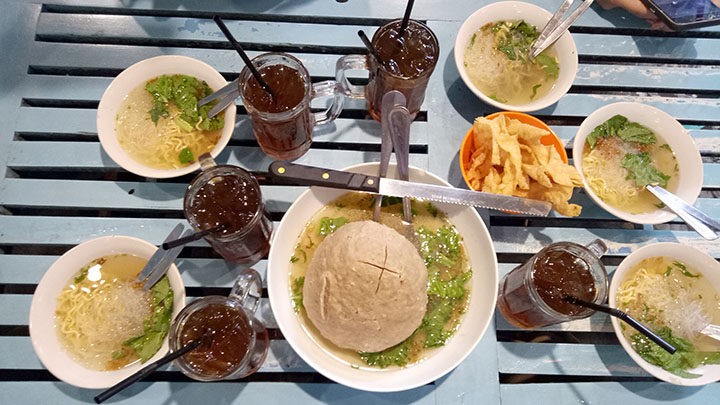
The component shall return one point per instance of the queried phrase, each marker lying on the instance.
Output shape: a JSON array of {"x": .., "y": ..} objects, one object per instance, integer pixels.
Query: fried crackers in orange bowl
[{"x": 516, "y": 154}]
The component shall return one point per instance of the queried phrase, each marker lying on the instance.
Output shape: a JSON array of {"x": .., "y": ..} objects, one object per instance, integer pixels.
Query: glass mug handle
[
  {"x": 597, "y": 248},
  {"x": 350, "y": 62},
  {"x": 206, "y": 161},
  {"x": 328, "y": 88},
  {"x": 248, "y": 288}
]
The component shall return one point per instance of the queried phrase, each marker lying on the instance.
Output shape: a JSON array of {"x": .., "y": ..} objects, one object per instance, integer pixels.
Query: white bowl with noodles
[
  {"x": 42, "y": 310},
  {"x": 690, "y": 167},
  {"x": 695, "y": 259},
  {"x": 138, "y": 74},
  {"x": 565, "y": 50},
  {"x": 474, "y": 323}
]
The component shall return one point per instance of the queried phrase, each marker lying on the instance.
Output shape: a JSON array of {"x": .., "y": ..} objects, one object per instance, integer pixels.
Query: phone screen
[{"x": 688, "y": 11}]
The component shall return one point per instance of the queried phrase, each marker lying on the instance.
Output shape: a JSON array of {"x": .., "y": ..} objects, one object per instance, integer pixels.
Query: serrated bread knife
[{"x": 317, "y": 176}]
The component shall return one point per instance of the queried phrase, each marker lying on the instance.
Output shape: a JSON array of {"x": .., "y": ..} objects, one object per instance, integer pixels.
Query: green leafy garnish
[
  {"x": 472, "y": 40},
  {"x": 668, "y": 271},
  {"x": 660, "y": 205},
  {"x": 431, "y": 208},
  {"x": 641, "y": 169},
  {"x": 297, "y": 293},
  {"x": 118, "y": 354},
  {"x": 679, "y": 265},
  {"x": 186, "y": 156},
  {"x": 686, "y": 357},
  {"x": 184, "y": 91},
  {"x": 433, "y": 323},
  {"x": 499, "y": 100},
  {"x": 606, "y": 129},
  {"x": 82, "y": 274},
  {"x": 441, "y": 247},
  {"x": 293, "y": 259},
  {"x": 634, "y": 132},
  {"x": 453, "y": 288},
  {"x": 394, "y": 355},
  {"x": 330, "y": 225},
  {"x": 157, "y": 324},
  {"x": 688, "y": 274},
  {"x": 304, "y": 255},
  {"x": 535, "y": 87},
  {"x": 551, "y": 66}
]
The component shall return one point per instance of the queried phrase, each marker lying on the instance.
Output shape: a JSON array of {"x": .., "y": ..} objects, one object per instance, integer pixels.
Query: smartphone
[{"x": 686, "y": 14}]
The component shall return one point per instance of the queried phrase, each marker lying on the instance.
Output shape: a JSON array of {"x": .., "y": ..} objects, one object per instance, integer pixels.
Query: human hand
[{"x": 637, "y": 8}]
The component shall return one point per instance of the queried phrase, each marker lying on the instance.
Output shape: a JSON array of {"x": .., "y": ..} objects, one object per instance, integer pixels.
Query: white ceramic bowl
[
  {"x": 138, "y": 74},
  {"x": 532, "y": 14},
  {"x": 692, "y": 257},
  {"x": 474, "y": 323},
  {"x": 667, "y": 128},
  {"x": 42, "y": 310}
]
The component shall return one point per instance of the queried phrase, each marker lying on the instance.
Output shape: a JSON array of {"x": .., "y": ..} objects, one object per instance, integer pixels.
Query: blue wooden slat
[
  {"x": 85, "y": 155},
  {"x": 82, "y": 121},
  {"x": 17, "y": 353},
  {"x": 570, "y": 359},
  {"x": 222, "y": 393},
  {"x": 637, "y": 393}
]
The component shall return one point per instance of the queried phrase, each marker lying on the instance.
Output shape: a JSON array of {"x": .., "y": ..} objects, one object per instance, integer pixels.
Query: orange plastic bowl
[{"x": 468, "y": 145}]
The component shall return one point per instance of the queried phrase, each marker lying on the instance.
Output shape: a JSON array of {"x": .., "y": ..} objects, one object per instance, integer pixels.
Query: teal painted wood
[
  {"x": 59, "y": 136},
  {"x": 85, "y": 155},
  {"x": 191, "y": 392},
  {"x": 569, "y": 359},
  {"x": 642, "y": 393},
  {"x": 18, "y": 354}
]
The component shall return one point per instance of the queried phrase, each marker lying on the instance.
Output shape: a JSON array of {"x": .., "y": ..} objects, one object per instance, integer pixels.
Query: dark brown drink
[
  {"x": 230, "y": 344},
  {"x": 406, "y": 63},
  {"x": 229, "y": 195}
]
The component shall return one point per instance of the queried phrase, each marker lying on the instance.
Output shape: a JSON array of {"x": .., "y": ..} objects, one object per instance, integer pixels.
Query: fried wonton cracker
[{"x": 509, "y": 159}]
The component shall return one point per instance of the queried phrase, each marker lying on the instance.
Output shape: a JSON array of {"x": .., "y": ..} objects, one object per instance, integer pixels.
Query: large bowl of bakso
[
  {"x": 674, "y": 290},
  {"x": 381, "y": 306},
  {"x": 492, "y": 52},
  {"x": 622, "y": 147},
  {"x": 149, "y": 121},
  {"x": 91, "y": 324}
]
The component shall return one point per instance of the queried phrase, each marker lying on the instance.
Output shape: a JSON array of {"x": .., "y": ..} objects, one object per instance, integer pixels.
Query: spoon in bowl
[{"x": 692, "y": 216}]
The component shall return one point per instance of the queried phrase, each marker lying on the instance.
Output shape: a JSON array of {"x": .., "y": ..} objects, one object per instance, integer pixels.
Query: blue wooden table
[{"x": 58, "y": 188}]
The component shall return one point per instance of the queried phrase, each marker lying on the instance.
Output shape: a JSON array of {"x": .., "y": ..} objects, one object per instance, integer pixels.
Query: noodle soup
[
  {"x": 103, "y": 318},
  {"x": 621, "y": 157},
  {"x": 447, "y": 263},
  {"x": 160, "y": 125},
  {"x": 498, "y": 63},
  {"x": 676, "y": 301}
]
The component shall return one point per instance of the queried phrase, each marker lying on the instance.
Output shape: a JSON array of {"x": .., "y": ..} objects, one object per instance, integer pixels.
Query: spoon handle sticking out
[
  {"x": 692, "y": 216},
  {"x": 197, "y": 235},
  {"x": 625, "y": 317},
  {"x": 105, "y": 395}
]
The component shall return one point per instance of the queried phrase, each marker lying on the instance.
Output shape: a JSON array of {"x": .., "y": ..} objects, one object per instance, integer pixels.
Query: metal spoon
[{"x": 692, "y": 216}]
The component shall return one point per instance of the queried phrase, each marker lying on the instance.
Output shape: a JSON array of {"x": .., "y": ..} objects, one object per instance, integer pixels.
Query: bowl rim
[
  {"x": 132, "y": 77},
  {"x": 564, "y": 42},
  {"x": 675, "y": 132},
  {"x": 666, "y": 249},
  {"x": 286, "y": 318},
  {"x": 42, "y": 313},
  {"x": 468, "y": 146}
]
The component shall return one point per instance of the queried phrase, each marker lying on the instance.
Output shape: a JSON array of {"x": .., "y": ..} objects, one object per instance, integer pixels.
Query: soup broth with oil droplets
[
  {"x": 99, "y": 309},
  {"x": 427, "y": 221},
  {"x": 676, "y": 301}
]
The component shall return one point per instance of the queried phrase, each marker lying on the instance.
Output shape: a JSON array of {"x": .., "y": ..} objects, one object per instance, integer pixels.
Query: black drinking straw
[
  {"x": 242, "y": 54},
  {"x": 406, "y": 17},
  {"x": 192, "y": 237},
  {"x": 105, "y": 395},
  {"x": 368, "y": 44},
  {"x": 625, "y": 317}
]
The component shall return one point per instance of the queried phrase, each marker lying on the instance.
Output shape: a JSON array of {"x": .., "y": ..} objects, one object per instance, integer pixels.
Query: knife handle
[{"x": 317, "y": 176}]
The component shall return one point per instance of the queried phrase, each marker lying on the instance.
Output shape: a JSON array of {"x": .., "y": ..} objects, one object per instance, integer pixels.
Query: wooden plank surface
[{"x": 61, "y": 188}]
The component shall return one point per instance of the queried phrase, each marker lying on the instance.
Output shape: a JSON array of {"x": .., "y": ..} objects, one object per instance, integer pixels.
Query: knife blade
[
  {"x": 164, "y": 264},
  {"x": 159, "y": 253},
  {"x": 317, "y": 176}
]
